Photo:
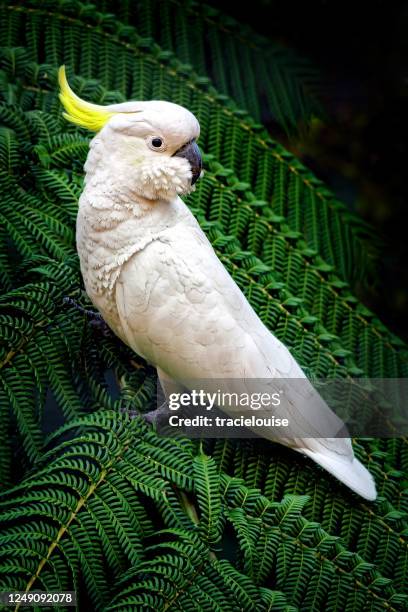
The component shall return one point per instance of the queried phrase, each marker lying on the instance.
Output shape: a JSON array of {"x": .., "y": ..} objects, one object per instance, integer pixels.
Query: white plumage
[{"x": 155, "y": 278}]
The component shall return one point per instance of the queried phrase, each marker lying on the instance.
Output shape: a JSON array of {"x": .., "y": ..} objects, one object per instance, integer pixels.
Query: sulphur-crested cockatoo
[{"x": 155, "y": 278}]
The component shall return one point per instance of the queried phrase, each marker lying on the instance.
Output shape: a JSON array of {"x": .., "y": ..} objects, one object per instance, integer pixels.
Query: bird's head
[{"x": 153, "y": 143}]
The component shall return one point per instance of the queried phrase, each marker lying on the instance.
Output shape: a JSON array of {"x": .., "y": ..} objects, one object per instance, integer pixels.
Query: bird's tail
[{"x": 353, "y": 474}]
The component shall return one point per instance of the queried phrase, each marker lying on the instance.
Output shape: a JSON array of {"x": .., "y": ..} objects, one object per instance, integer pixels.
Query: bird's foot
[
  {"x": 153, "y": 417},
  {"x": 95, "y": 318}
]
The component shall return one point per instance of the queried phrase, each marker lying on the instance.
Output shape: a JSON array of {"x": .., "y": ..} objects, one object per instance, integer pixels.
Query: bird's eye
[{"x": 156, "y": 143}]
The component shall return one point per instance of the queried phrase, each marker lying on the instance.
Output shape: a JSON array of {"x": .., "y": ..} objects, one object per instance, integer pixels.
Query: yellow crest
[{"x": 82, "y": 113}]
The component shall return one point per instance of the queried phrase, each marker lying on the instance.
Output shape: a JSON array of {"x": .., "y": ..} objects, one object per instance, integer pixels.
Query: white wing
[{"x": 181, "y": 310}]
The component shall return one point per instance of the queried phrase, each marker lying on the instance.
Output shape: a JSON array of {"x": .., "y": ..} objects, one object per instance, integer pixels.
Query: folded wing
[{"x": 181, "y": 310}]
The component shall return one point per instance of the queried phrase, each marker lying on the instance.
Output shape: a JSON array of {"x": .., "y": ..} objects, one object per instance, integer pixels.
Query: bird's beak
[{"x": 192, "y": 154}]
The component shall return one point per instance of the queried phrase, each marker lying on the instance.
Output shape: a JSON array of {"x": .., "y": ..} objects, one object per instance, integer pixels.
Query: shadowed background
[{"x": 360, "y": 148}]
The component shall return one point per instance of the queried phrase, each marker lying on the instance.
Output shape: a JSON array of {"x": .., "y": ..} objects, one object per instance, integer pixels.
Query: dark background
[{"x": 360, "y": 148}]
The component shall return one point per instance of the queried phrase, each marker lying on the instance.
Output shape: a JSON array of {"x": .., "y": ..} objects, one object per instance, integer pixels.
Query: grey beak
[{"x": 192, "y": 154}]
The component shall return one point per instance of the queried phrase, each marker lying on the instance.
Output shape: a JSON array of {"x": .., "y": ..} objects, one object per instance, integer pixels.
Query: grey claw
[
  {"x": 130, "y": 413},
  {"x": 95, "y": 318},
  {"x": 152, "y": 417}
]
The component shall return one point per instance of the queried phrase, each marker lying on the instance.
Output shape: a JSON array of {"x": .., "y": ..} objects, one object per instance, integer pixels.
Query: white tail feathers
[{"x": 351, "y": 473}]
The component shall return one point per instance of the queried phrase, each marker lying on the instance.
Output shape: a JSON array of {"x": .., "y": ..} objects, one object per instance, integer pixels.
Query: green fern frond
[
  {"x": 263, "y": 77},
  {"x": 140, "y": 69},
  {"x": 99, "y": 493},
  {"x": 207, "y": 488}
]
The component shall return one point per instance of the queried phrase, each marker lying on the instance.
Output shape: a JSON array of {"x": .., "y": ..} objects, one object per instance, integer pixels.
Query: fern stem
[
  {"x": 191, "y": 512},
  {"x": 81, "y": 502},
  {"x": 189, "y": 507}
]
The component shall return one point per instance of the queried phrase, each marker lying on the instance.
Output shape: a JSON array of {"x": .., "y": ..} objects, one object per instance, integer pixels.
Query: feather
[{"x": 180, "y": 309}]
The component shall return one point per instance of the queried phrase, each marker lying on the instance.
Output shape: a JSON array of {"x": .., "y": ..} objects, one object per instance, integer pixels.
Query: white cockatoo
[{"x": 152, "y": 274}]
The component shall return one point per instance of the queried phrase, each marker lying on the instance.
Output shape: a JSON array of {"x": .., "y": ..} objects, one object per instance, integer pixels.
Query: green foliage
[
  {"x": 260, "y": 75},
  {"x": 96, "y": 511},
  {"x": 139, "y": 68},
  {"x": 104, "y": 505},
  {"x": 207, "y": 489}
]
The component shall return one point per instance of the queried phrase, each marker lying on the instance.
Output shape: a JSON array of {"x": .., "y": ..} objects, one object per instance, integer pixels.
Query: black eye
[{"x": 157, "y": 142}]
